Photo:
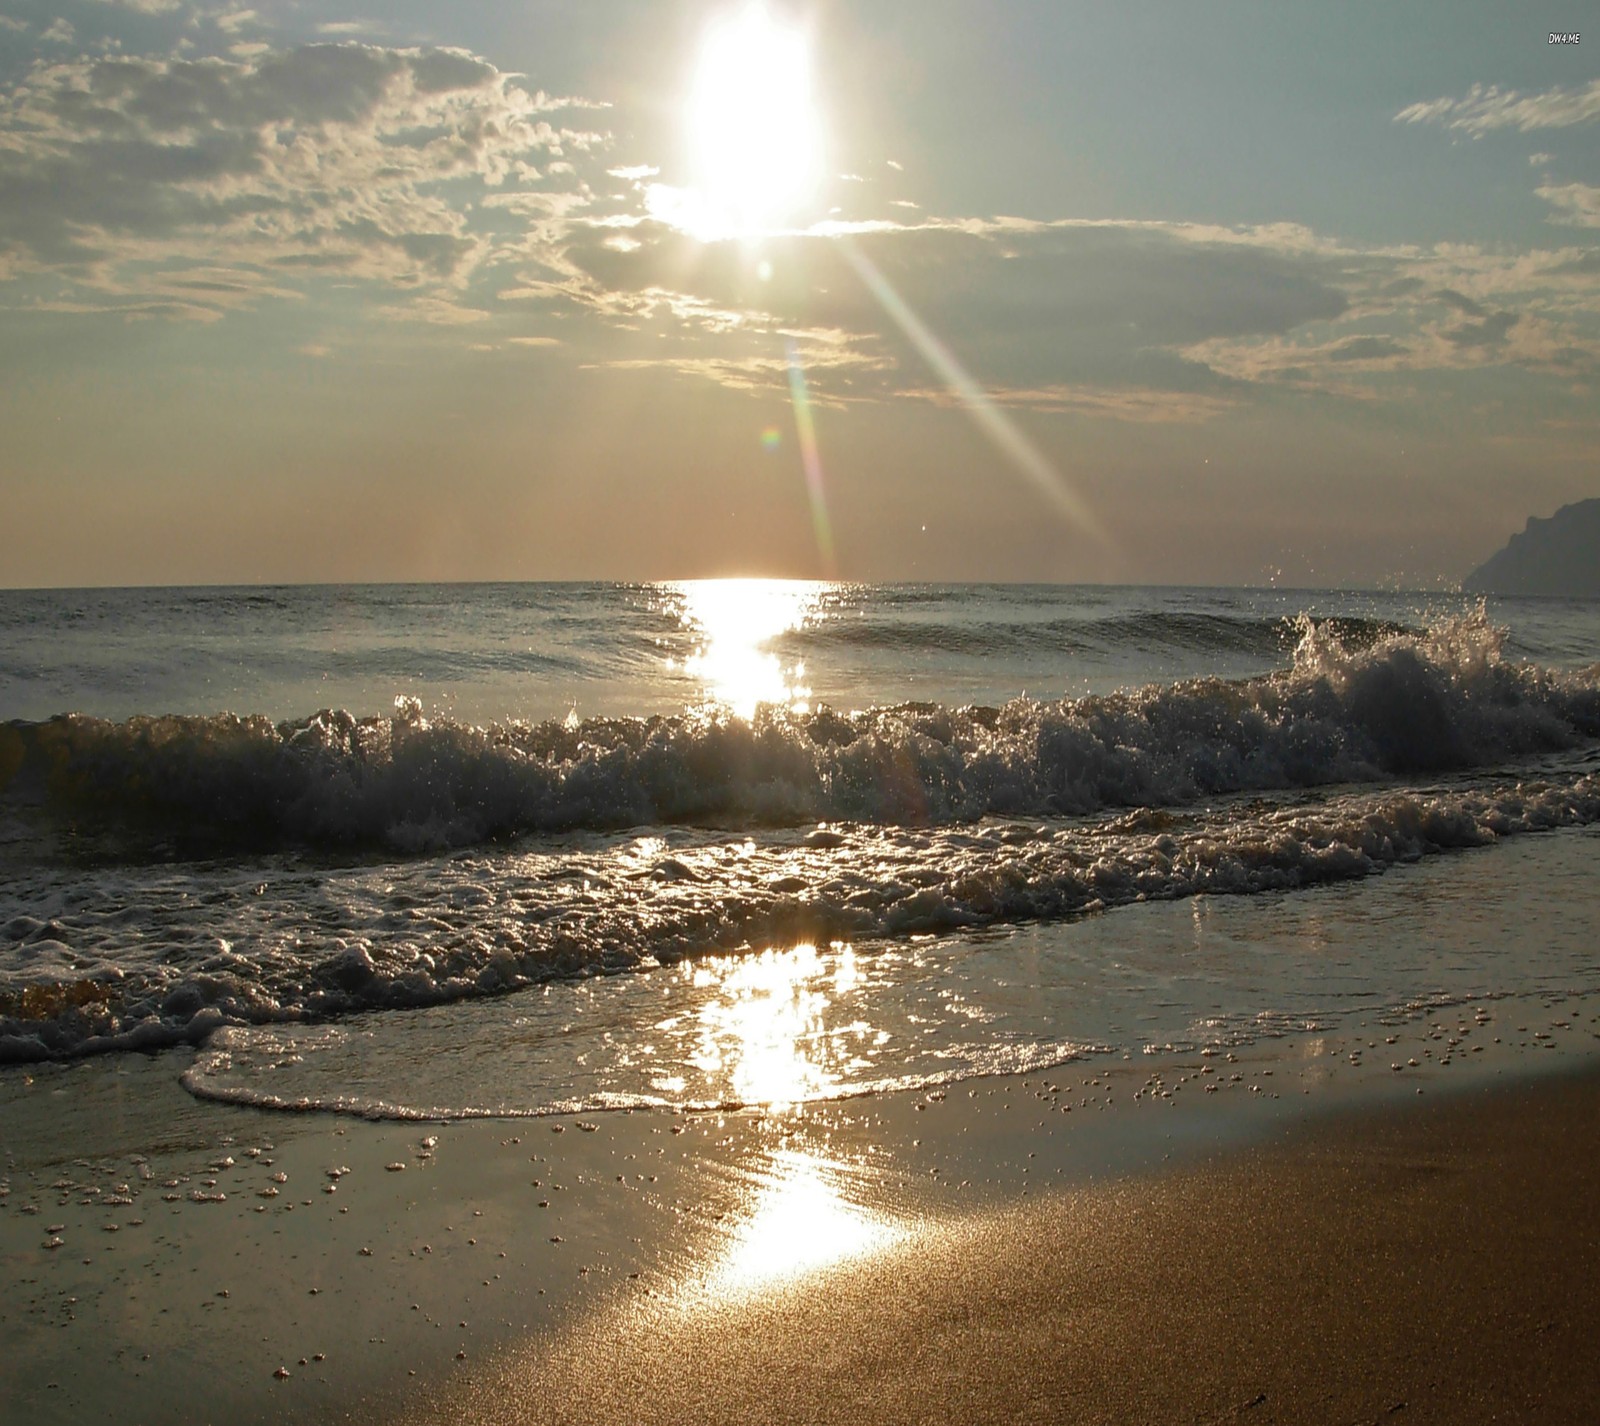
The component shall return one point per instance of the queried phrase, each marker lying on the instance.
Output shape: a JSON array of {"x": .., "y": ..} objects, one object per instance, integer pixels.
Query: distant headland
[{"x": 1559, "y": 556}]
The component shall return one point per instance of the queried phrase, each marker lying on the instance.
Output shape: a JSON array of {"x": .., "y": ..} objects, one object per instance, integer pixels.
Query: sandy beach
[
  {"x": 1317, "y": 1229},
  {"x": 1433, "y": 1264}
]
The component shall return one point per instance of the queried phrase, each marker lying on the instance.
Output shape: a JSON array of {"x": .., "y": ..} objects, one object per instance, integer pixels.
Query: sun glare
[
  {"x": 755, "y": 140},
  {"x": 733, "y": 621}
]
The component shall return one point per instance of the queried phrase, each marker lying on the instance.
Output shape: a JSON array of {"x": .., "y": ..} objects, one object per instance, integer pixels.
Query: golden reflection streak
[
  {"x": 735, "y": 619},
  {"x": 762, "y": 1039},
  {"x": 761, "y": 1035},
  {"x": 798, "y": 1220}
]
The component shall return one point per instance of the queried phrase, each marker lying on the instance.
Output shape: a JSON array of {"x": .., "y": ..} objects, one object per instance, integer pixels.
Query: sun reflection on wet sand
[
  {"x": 734, "y": 620},
  {"x": 801, "y": 1216},
  {"x": 761, "y": 1037}
]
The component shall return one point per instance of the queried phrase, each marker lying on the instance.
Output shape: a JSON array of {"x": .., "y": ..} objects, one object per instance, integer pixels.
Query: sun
[{"x": 755, "y": 138}]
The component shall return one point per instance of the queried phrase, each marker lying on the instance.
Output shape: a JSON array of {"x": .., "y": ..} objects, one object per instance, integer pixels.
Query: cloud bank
[{"x": 135, "y": 182}]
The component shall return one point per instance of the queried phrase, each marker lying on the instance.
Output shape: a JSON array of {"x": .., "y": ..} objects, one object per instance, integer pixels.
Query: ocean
[{"x": 467, "y": 850}]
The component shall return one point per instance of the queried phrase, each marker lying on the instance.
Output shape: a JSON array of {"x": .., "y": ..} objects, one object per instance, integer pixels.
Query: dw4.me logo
[{"x": 1571, "y": 39}]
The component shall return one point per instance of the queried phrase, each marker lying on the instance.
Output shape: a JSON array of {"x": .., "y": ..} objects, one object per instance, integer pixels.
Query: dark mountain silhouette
[{"x": 1559, "y": 556}]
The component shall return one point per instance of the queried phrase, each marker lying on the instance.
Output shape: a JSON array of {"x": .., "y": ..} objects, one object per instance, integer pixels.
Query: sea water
[{"x": 524, "y": 849}]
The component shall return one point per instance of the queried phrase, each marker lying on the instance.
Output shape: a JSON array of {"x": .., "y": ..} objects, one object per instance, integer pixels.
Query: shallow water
[
  {"x": 1206, "y": 973},
  {"x": 733, "y": 864}
]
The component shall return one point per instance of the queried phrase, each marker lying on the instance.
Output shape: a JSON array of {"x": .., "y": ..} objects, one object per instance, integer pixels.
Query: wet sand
[
  {"x": 1317, "y": 1228},
  {"x": 1416, "y": 1263}
]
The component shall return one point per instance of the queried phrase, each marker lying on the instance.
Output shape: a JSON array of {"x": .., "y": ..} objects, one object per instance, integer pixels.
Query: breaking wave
[
  {"x": 1357, "y": 704},
  {"x": 401, "y": 936}
]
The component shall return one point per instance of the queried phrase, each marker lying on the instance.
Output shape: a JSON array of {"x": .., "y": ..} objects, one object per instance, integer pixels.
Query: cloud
[
  {"x": 1491, "y": 331},
  {"x": 146, "y": 7},
  {"x": 1027, "y": 306},
  {"x": 744, "y": 363},
  {"x": 434, "y": 310},
  {"x": 1535, "y": 310},
  {"x": 1132, "y": 404},
  {"x": 1137, "y": 321},
  {"x": 59, "y": 32},
  {"x": 1460, "y": 301},
  {"x": 1366, "y": 349},
  {"x": 116, "y": 173},
  {"x": 1586, "y": 263},
  {"x": 1577, "y": 205},
  {"x": 1483, "y": 109}
]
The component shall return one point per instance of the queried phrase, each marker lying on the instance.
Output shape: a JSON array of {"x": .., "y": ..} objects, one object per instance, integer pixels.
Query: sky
[{"x": 871, "y": 289}]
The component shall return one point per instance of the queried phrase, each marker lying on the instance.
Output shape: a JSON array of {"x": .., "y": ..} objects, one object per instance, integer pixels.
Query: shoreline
[{"x": 203, "y": 1243}]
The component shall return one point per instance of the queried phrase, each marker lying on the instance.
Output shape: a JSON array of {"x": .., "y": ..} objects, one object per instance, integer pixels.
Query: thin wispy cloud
[
  {"x": 1483, "y": 109},
  {"x": 146, "y": 7}
]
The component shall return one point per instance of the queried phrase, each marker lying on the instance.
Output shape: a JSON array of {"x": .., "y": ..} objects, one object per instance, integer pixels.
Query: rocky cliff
[{"x": 1559, "y": 556}]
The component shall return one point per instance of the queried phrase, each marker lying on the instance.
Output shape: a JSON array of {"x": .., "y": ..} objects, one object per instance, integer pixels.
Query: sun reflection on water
[
  {"x": 761, "y": 1036},
  {"x": 732, "y": 622}
]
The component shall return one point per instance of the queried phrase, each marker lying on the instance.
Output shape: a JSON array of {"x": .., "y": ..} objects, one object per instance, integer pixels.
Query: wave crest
[{"x": 1351, "y": 709}]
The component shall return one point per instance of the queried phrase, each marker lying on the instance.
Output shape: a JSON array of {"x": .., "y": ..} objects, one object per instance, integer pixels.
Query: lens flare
[
  {"x": 1027, "y": 458},
  {"x": 810, "y": 457}
]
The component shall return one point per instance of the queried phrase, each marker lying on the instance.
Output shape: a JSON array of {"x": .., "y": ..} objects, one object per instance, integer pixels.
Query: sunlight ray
[{"x": 1026, "y": 457}]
